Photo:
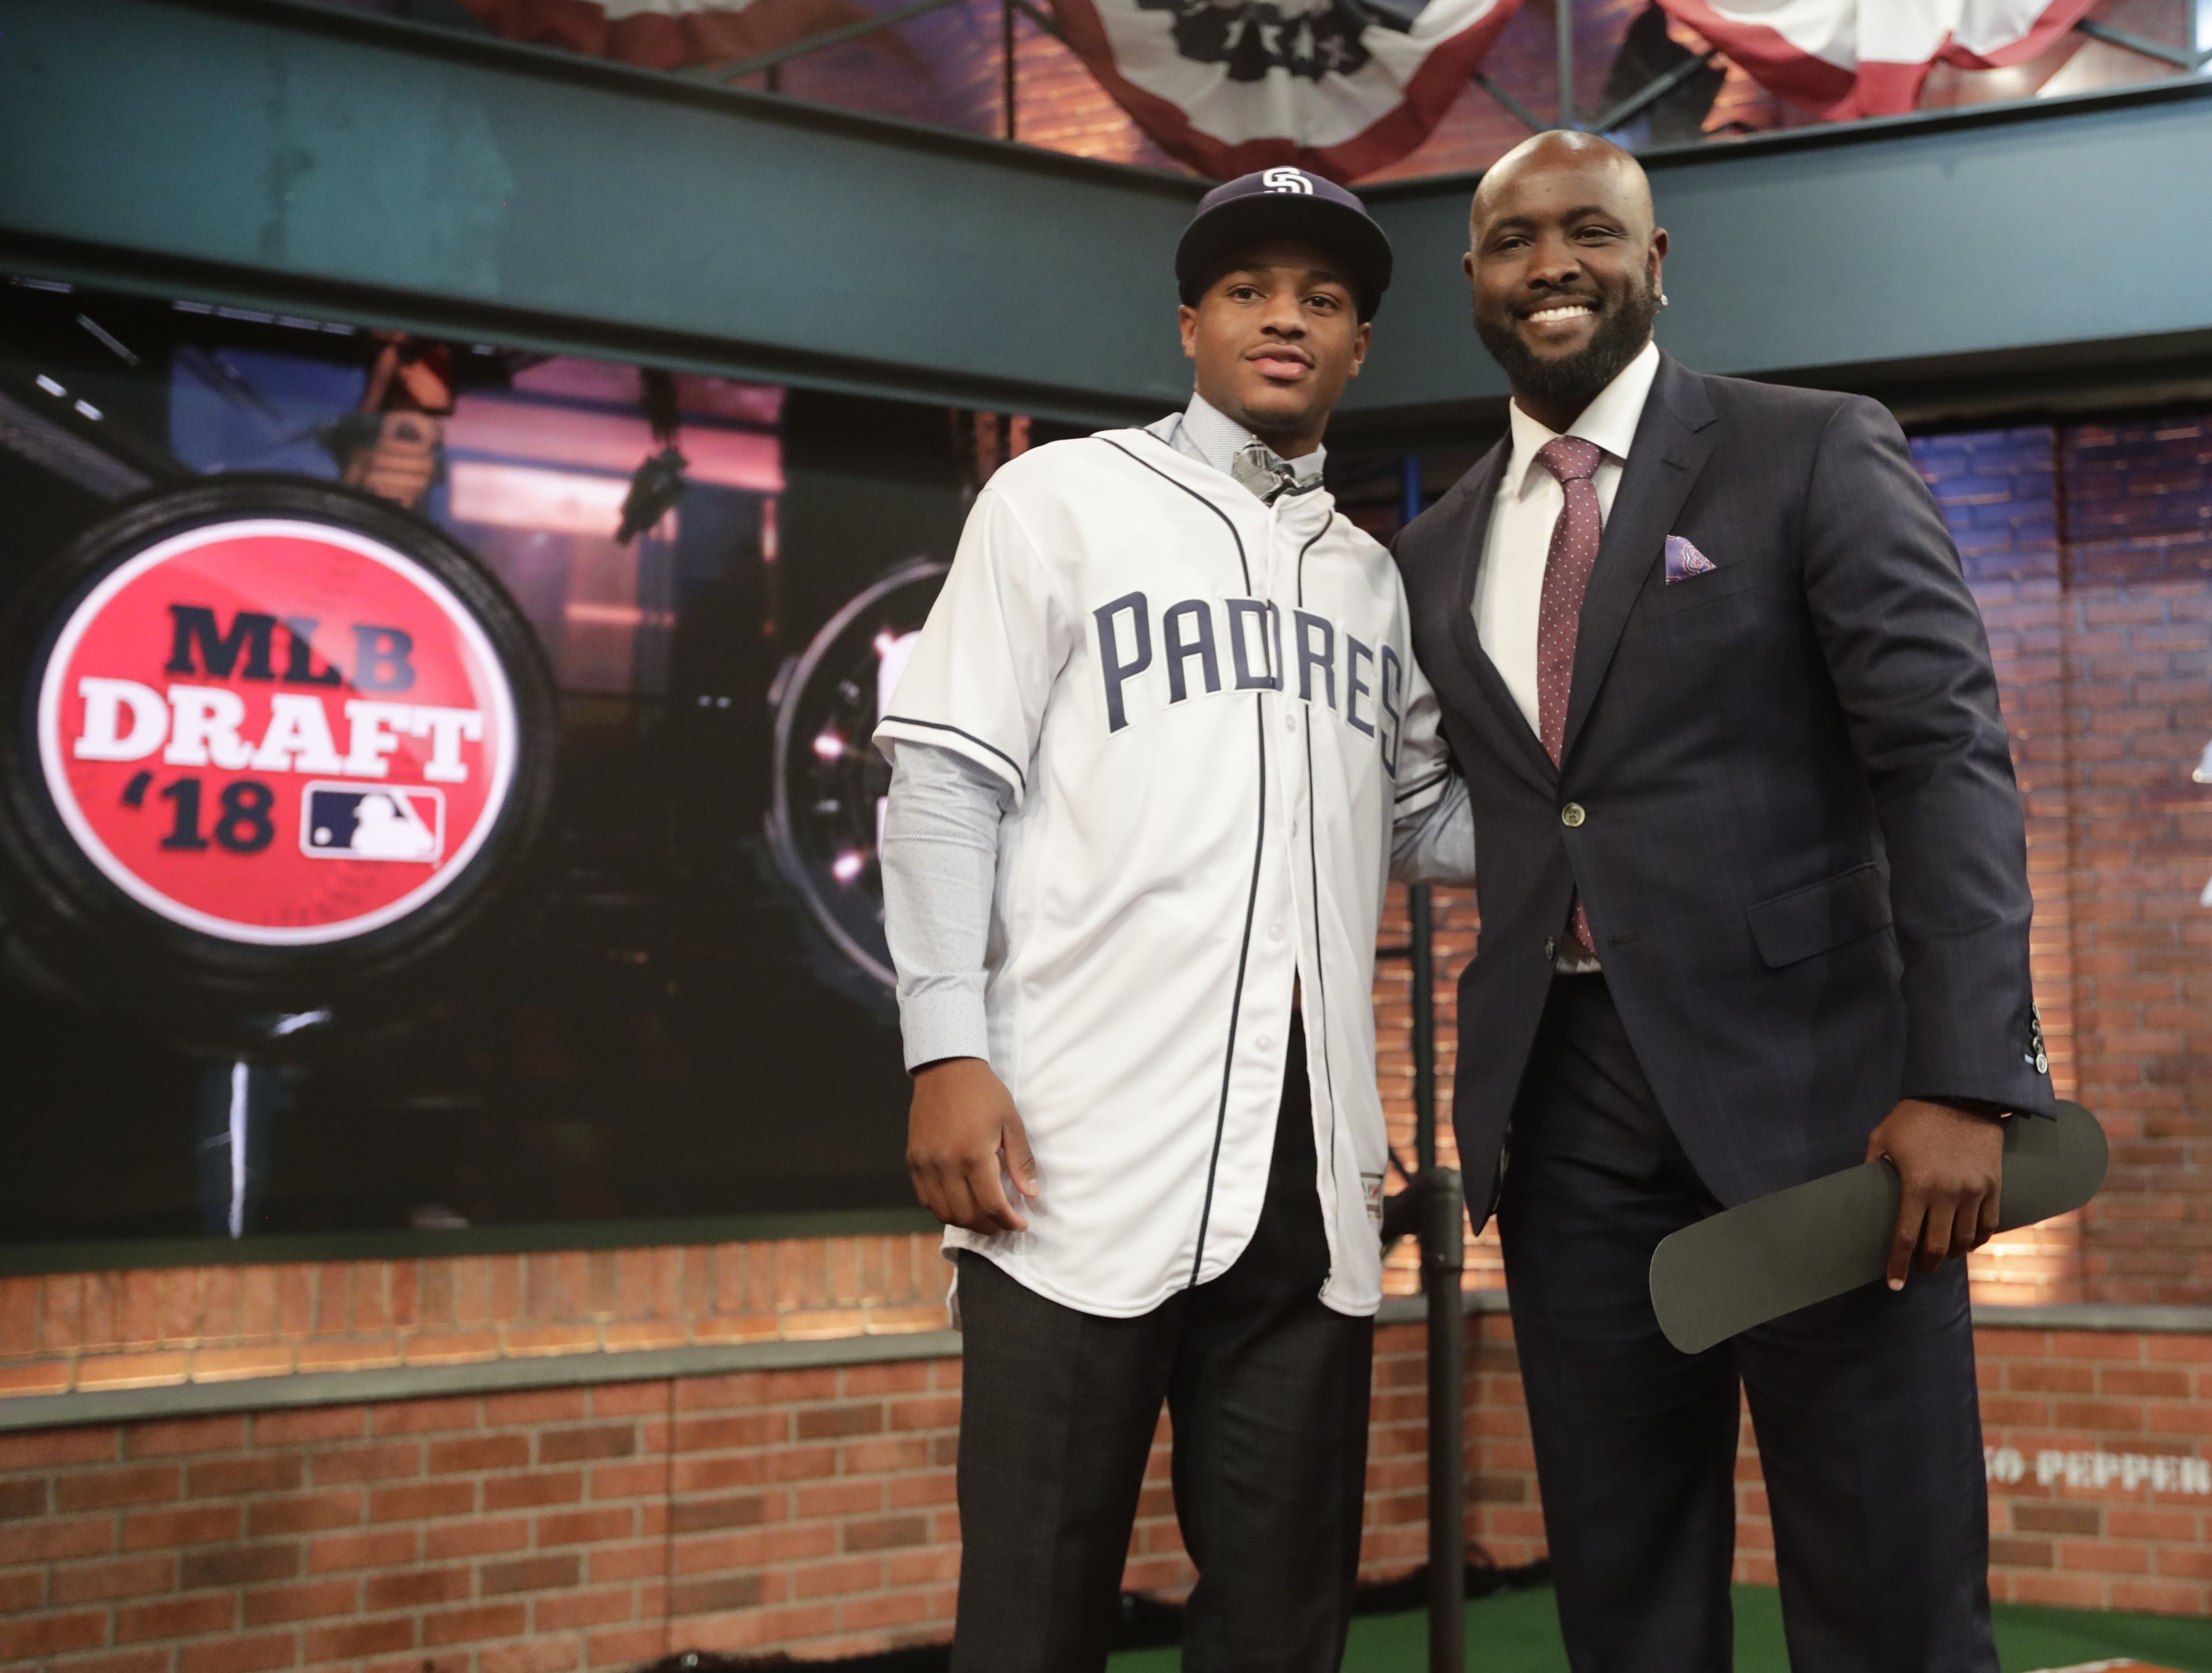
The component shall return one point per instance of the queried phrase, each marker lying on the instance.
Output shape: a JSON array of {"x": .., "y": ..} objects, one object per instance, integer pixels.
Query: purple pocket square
[{"x": 1685, "y": 560}]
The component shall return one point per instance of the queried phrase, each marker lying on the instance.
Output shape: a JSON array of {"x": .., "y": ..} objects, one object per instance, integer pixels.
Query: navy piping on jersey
[
  {"x": 1226, "y": 523},
  {"x": 1321, "y": 952},
  {"x": 939, "y": 725},
  {"x": 1251, "y": 900}
]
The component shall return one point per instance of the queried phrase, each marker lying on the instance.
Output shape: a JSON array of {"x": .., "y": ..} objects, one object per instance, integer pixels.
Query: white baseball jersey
[{"x": 1206, "y": 711}]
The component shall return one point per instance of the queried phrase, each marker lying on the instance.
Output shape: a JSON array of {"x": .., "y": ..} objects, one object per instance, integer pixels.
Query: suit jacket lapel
[
  {"x": 1673, "y": 439},
  {"x": 1496, "y": 714}
]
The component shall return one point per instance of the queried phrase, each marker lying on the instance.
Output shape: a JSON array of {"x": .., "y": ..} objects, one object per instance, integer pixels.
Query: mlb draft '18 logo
[{"x": 275, "y": 731}]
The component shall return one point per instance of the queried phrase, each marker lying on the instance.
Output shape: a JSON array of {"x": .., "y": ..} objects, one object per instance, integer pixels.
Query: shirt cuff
[{"x": 943, "y": 1021}]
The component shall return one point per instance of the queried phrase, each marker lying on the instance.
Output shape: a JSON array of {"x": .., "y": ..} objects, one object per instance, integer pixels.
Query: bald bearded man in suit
[{"x": 1752, "y": 878}]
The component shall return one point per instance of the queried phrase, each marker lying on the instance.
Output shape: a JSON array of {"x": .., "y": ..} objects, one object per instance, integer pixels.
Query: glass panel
[{"x": 679, "y": 1007}]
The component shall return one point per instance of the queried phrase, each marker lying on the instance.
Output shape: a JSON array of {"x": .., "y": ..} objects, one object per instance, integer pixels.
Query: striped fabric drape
[{"x": 1843, "y": 58}]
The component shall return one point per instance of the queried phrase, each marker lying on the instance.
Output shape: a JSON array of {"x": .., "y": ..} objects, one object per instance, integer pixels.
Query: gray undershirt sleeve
[
  {"x": 939, "y": 862},
  {"x": 1437, "y": 844}
]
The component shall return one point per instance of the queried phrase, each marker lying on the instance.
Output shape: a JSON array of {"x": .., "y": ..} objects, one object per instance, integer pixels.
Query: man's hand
[
  {"x": 1951, "y": 1165},
  {"x": 962, "y": 1131}
]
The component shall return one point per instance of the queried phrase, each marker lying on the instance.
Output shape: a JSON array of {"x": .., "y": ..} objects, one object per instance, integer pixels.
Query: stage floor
[{"x": 1520, "y": 1633}]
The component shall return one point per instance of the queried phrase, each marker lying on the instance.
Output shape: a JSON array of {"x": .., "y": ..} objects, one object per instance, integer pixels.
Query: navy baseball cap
[{"x": 1283, "y": 202}]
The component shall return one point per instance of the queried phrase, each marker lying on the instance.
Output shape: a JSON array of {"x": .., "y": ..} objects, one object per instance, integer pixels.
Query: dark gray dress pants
[
  {"x": 1868, "y": 1427},
  {"x": 1268, "y": 1390}
]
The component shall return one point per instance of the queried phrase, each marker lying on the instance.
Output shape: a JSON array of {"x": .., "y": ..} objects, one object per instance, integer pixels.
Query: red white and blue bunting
[
  {"x": 1843, "y": 58},
  {"x": 1341, "y": 87},
  {"x": 664, "y": 34}
]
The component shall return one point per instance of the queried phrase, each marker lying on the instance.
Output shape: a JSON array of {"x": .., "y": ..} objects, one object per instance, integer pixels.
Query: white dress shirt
[
  {"x": 1203, "y": 432},
  {"x": 1509, "y": 588}
]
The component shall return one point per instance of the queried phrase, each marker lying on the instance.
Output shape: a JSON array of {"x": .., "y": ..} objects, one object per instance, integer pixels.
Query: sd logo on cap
[{"x": 1283, "y": 202}]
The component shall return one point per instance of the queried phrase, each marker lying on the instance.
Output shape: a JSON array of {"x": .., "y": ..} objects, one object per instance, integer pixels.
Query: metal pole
[
  {"x": 1564, "y": 11},
  {"x": 1444, "y": 1257},
  {"x": 1443, "y": 1260},
  {"x": 1006, "y": 60},
  {"x": 1419, "y": 921}
]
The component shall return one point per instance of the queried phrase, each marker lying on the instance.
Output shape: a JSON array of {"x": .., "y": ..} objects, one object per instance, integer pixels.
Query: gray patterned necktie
[{"x": 1257, "y": 470}]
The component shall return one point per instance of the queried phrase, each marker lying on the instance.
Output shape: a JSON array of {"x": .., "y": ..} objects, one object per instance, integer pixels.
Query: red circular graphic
[{"x": 277, "y": 731}]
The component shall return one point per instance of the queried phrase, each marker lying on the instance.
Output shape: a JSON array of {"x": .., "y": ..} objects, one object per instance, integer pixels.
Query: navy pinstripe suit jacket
[{"x": 1802, "y": 855}]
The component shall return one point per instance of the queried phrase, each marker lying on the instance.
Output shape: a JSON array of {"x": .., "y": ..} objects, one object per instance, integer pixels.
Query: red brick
[
  {"x": 585, "y": 1527},
  {"x": 200, "y": 1524},
  {"x": 316, "y": 1600},
  {"x": 597, "y": 1607},
  {"x": 476, "y": 1536},
  {"x": 426, "y": 1417},
  {"x": 230, "y": 1478},
  {"x": 708, "y": 1596},
  {"x": 174, "y": 1617},
  {"x": 48, "y": 1540},
  {"x": 106, "y": 1489},
  {"x": 543, "y": 1487},
  {"x": 731, "y": 1511},
  {"x": 239, "y": 1655},
  {"x": 416, "y": 1588},
  {"x": 185, "y": 1435},
  {"x": 471, "y": 1626},
  {"x": 535, "y": 1656},
  {"x": 305, "y": 1515},
  {"x": 545, "y": 1573},
  {"x": 626, "y": 1646},
  {"x": 352, "y": 1640},
  {"x": 389, "y": 1461},
  {"x": 828, "y": 1423},
  {"x": 380, "y": 1548},
  {"x": 50, "y": 1635},
  {"x": 885, "y": 1533},
  {"x": 537, "y": 1406},
  {"x": 312, "y": 1425},
  {"x": 153, "y": 1659},
  {"x": 428, "y": 1498},
  {"x": 574, "y": 1446},
  {"x": 479, "y": 1452}
]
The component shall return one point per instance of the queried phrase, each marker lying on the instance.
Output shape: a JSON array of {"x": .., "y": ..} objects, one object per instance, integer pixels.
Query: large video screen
[{"x": 679, "y": 1004}]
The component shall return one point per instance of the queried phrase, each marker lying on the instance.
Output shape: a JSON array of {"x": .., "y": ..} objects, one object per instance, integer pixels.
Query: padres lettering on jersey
[
  {"x": 1206, "y": 711},
  {"x": 1252, "y": 629}
]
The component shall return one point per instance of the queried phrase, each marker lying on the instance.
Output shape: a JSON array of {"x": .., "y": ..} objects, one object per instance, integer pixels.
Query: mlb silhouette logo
[{"x": 373, "y": 822}]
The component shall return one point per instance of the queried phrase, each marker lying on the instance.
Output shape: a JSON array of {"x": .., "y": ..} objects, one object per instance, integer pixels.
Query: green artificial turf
[{"x": 1519, "y": 1632}]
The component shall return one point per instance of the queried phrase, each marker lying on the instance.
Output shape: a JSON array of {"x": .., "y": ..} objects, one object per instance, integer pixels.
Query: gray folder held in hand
[{"x": 1745, "y": 1266}]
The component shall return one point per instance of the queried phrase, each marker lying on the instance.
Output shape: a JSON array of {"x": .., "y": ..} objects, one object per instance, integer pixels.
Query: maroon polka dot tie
[{"x": 1566, "y": 576}]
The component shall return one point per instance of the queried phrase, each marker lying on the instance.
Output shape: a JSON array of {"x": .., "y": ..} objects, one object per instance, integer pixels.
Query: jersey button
[
  {"x": 1290, "y": 720},
  {"x": 1264, "y": 1041},
  {"x": 1275, "y": 931},
  {"x": 1572, "y": 816}
]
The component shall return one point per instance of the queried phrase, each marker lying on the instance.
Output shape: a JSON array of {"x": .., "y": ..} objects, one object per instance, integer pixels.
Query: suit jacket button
[{"x": 1572, "y": 816}]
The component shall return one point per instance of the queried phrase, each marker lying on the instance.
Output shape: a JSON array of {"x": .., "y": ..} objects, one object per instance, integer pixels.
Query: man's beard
[{"x": 1578, "y": 377}]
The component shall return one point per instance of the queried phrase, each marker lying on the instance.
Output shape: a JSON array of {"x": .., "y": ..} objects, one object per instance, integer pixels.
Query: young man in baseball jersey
[{"x": 1148, "y": 758}]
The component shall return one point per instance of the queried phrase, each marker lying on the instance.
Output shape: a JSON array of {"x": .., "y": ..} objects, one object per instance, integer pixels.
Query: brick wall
[
  {"x": 218, "y": 1324},
  {"x": 603, "y": 1526},
  {"x": 2090, "y": 549},
  {"x": 812, "y": 1511},
  {"x": 520, "y": 1533}
]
